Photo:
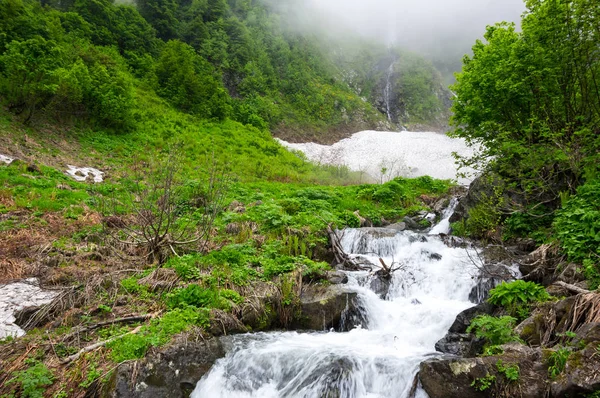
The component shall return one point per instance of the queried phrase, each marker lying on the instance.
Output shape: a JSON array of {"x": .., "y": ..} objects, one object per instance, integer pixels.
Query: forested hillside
[{"x": 89, "y": 61}]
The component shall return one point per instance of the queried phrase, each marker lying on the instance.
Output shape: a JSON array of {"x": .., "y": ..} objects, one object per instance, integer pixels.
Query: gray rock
[
  {"x": 336, "y": 277},
  {"x": 401, "y": 226},
  {"x": 463, "y": 320},
  {"x": 171, "y": 371},
  {"x": 581, "y": 375},
  {"x": 588, "y": 333},
  {"x": 460, "y": 344},
  {"x": 451, "y": 377},
  {"x": 380, "y": 285},
  {"x": 323, "y": 307},
  {"x": 411, "y": 224}
]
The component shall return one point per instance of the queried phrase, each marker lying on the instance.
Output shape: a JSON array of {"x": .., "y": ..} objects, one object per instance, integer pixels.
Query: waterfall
[
  {"x": 443, "y": 227},
  {"x": 379, "y": 357},
  {"x": 387, "y": 92}
]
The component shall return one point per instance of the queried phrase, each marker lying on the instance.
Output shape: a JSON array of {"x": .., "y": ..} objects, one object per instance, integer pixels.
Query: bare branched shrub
[{"x": 165, "y": 213}]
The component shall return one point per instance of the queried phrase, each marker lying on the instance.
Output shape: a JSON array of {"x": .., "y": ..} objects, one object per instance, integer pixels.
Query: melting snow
[
  {"x": 6, "y": 159},
  {"x": 81, "y": 173},
  {"x": 15, "y": 297},
  {"x": 385, "y": 155}
]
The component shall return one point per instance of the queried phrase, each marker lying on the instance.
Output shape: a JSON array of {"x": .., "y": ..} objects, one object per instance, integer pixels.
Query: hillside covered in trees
[{"x": 89, "y": 61}]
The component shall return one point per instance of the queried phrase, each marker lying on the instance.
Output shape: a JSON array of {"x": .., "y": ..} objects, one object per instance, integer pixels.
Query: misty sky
[{"x": 428, "y": 26}]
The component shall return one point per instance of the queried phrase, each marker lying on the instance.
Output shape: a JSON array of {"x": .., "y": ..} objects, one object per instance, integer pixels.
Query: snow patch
[
  {"x": 6, "y": 159},
  {"x": 386, "y": 155},
  {"x": 81, "y": 173},
  {"x": 15, "y": 297}
]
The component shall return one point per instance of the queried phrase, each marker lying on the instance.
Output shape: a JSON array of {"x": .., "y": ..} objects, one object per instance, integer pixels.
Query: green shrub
[
  {"x": 33, "y": 380},
  {"x": 510, "y": 372},
  {"x": 159, "y": 332},
  {"x": 496, "y": 331},
  {"x": 557, "y": 361},
  {"x": 185, "y": 266},
  {"x": 192, "y": 295},
  {"x": 576, "y": 225},
  {"x": 515, "y": 295},
  {"x": 484, "y": 383}
]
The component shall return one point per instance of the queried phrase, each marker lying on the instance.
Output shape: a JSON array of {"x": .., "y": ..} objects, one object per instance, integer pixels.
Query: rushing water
[{"x": 379, "y": 358}]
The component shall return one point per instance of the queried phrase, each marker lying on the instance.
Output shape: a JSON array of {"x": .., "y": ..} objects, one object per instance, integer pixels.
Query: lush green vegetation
[
  {"x": 516, "y": 297},
  {"x": 530, "y": 98},
  {"x": 496, "y": 330}
]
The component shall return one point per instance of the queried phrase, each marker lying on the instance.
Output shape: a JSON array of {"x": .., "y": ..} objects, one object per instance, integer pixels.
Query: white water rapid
[{"x": 378, "y": 359}]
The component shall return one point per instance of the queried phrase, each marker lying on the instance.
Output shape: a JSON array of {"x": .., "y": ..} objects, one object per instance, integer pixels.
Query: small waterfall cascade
[
  {"x": 387, "y": 92},
  {"x": 378, "y": 358},
  {"x": 443, "y": 227}
]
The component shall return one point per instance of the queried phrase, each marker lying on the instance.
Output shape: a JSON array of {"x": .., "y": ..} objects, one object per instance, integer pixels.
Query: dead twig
[
  {"x": 129, "y": 319},
  {"x": 97, "y": 345}
]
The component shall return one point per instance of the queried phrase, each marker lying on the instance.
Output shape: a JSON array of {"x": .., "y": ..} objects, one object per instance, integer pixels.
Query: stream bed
[{"x": 380, "y": 356}]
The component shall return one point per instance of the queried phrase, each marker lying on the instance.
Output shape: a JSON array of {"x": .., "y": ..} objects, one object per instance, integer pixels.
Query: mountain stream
[{"x": 379, "y": 357}]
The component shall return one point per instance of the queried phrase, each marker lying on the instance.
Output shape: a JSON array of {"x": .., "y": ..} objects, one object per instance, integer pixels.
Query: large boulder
[
  {"x": 581, "y": 375},
  {"x": 452, "y": 377},
  {"x": 171, "y": 371},
  {"x": 325, "y": 306},
  {"x": 463, "y": 320},
  {"x": 457, "y": 341}
]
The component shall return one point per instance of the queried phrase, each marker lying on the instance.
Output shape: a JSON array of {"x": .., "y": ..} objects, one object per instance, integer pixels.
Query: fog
[{"x": 442, "y": 29}]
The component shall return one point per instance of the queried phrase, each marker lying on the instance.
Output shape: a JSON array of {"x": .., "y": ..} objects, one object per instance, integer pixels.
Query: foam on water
[
  {"x": 407, "y": 154},
  {"x": 379, "y": 358}
]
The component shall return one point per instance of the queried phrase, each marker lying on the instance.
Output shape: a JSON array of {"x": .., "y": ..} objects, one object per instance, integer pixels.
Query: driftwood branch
[
  {"x": 341, "y": 257},
  {"x": 572, "y": 288},
  {"x": 97, "y": 345}
]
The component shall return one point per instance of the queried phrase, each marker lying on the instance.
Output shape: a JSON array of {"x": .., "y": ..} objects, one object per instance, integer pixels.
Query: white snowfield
[
  {"x": 15, "y": 297},
  {"x": 385, "y": 155}
]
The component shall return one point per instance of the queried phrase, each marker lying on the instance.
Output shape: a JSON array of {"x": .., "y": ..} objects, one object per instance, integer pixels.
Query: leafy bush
[
  {"x": 557, "y": 361},
  {"x": 484, "y": 383},
  {"x": 510, "y": 372},
  {"x": 33, "y": 380},
  {"x": 192, "y": 295},
  {"x": 577, "y": 226},
  {"x": 495, "y": 330},
  {"x": 159, "y": 332},
  {"x": 514, "y": 295}
]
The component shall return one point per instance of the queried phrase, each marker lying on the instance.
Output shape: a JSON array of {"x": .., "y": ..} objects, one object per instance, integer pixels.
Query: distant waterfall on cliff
[{"x": 387, "y": 91}]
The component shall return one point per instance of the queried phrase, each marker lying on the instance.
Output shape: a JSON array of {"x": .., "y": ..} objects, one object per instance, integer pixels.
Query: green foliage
[
  {"x": 196, "y": 296},
  {"x": 496, "y": 331},
  {"x": 510, "y": 372},
  {"x": 159, "y": 332},
  {"x": 33, "y": 380},
  {"x": 527, "y": 96},
  {"x": 557, "y": 360},
  {"x": 577, "y": 223},
  {"x": 484, "y": 383},
  {"x": 188, "y": 82},
  {"x": 516, "y": 294}
]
